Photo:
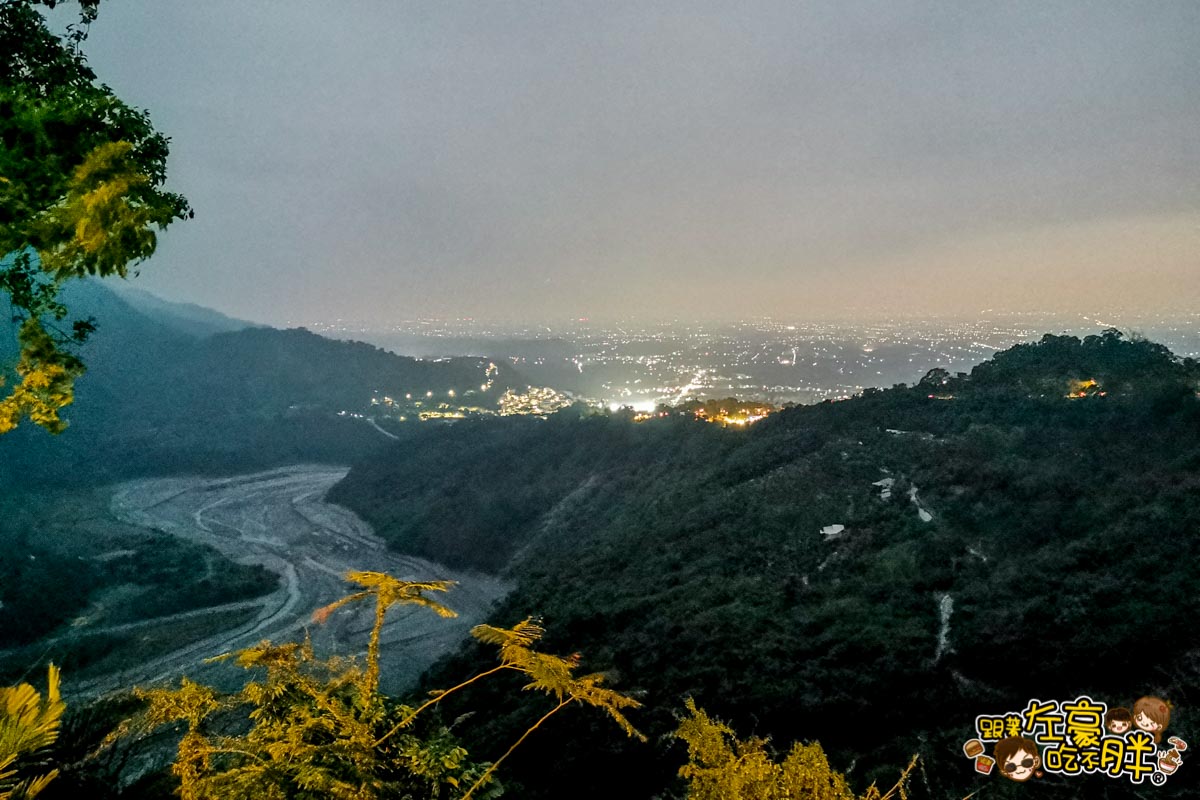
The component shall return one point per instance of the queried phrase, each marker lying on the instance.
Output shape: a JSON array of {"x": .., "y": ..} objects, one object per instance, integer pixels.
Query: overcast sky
[{"x": 505, "y": 160}]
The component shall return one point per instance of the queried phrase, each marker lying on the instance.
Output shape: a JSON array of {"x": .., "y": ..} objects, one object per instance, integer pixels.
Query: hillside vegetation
[
  {"x": 158, "y": 398},
  {"x": 1007, "y": 535},
  {"x": 72, "y": 580}
]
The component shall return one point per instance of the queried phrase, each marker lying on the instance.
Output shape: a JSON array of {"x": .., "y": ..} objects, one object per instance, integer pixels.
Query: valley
[
  {"x": 278, "y": 519},
  {"x": 654, "y": 402}
]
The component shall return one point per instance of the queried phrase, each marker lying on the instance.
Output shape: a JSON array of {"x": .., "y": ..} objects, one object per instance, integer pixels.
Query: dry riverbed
[{"x": 279, "y": 519}]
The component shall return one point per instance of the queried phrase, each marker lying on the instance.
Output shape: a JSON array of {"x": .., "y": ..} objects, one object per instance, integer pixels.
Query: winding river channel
[{"x": 279, "y": 519}]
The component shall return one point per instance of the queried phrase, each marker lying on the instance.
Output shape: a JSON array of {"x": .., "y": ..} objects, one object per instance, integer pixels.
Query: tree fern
[
  {"x": 387, "y": 592},
  {"x": 553, "y": 675},
  {"x": 321, "y": 729},
  {"x": 316, "y": 724}
]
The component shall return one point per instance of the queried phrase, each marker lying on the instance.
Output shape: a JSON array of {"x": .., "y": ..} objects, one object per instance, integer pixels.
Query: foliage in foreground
[
  {"x": 321, "y": 728},
  {"x": 722, "y": 767},
  {"x": 81, "y": 177},
  {"x": 689, "y": 558},
  {"x": 28, "y": 724}
]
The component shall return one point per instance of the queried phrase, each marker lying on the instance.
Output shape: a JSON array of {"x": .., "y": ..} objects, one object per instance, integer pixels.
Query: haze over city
[{"x": 381, "y": 161}]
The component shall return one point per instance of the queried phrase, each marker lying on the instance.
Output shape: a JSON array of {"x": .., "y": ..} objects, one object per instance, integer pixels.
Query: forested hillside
[
  {"x": 160, "y": 398},
  {"x": 73, "y": 581},
  {"x": 1006, "y": 535}
]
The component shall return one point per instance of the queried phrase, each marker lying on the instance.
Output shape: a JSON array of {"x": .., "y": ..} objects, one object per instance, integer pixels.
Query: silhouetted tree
[{"x": 81, "y": 176}]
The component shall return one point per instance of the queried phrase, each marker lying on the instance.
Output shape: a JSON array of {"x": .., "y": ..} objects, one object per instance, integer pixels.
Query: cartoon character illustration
[
  {"x": 1152, "y": 714},
  {"x": 1169, "y": 761},
  {"x": 1018, "y": 758},
  {"x": 1118, "y": 720}
]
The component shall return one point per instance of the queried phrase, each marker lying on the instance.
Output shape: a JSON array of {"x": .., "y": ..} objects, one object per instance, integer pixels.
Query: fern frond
[
  {"x": 555, "y": 675},
  {"x": 587, "y": 690},
  {"x": 380, "y": 583},
  {"x": 191, "y": 702},
  {"x": 550, "y": 674},
  {"x": 525, "y": 633},
  {"x": 53, "y": 695},
  {"x": 266, "y": 654},
  {"x": 722, "y": 767},
  {"x": 321, "y": 615}
]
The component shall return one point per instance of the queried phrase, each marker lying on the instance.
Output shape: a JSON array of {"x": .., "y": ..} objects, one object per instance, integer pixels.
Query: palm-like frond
[
  {"x": 26, "y": 790},
  {"x": 553, "y": 675},
  {"x": 27, "y": 724},
  {"x": 389, "y": 591}
]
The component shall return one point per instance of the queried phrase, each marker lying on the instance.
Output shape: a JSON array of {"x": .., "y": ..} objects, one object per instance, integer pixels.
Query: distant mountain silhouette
[
  {"x": 167, "y": 390},
  {"x": 186, "y": 317},
  {"x": 266, "y": 371}
]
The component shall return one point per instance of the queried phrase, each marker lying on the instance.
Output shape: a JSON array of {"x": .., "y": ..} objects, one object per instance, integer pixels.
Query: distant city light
[{"x": 637, "y": 366}]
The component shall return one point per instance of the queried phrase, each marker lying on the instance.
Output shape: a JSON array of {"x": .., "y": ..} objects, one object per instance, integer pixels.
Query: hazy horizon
[
  {"x": 377, "y": 162},
  {"x": 1128, "y": 320}
]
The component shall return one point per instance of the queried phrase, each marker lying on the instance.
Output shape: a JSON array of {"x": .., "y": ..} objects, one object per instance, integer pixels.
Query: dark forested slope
[
  {"x": 159, "y": 398},
  {"x": 1001, "y": 541}
]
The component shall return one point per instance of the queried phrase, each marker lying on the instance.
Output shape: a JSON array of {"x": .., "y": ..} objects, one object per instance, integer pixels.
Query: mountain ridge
[
  {"x": 695, "y": 564},
  {"x": 191, "y": 318},
  {"x": 158, "y": 396}
]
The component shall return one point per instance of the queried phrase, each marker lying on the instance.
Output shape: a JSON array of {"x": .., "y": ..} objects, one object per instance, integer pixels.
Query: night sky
[{"x": 520, "y": 161}]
